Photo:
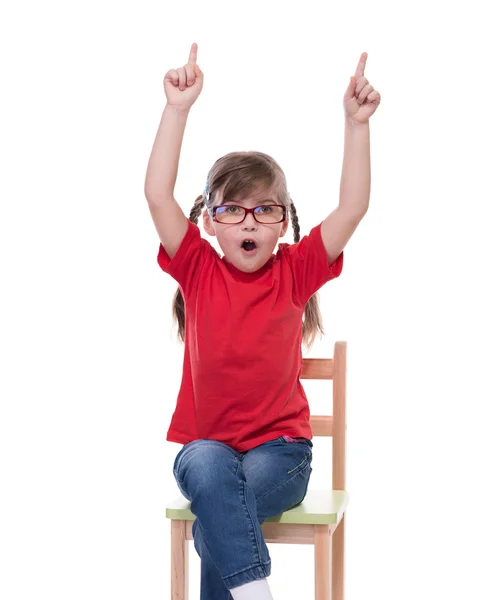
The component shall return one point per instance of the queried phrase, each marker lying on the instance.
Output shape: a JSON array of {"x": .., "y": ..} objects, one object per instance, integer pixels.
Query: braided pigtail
[
  {"x": 178, "y": 302},
  {"x": 312, "y": 316}
]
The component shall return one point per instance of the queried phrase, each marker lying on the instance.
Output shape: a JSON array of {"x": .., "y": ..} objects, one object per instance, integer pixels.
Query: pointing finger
[
  {"x": 192, "y": 59},
  {"x": 360, "y": 69}
]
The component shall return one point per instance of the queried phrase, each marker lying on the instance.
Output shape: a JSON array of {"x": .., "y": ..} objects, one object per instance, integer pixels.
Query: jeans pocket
[
  {"x": 307, "y": 482},
  {"x": 306, "y": 473},
  {"x": 305, "y": 460}
]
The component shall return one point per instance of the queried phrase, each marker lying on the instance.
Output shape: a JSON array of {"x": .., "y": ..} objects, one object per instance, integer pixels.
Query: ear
[
  {"x": 284, "y": 228},
  {"x": 208, "y": 226}
]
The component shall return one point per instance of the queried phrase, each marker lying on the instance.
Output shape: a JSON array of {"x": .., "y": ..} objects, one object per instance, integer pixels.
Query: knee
[{"x": 203, "y": 463}]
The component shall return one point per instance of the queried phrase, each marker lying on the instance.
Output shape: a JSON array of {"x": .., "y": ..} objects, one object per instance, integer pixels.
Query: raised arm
[
  {"x": 182, "y": 87},
  {"x": 360, "y": 102}
]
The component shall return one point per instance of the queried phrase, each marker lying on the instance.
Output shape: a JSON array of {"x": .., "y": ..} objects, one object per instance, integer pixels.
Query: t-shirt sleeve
[
  {"x": 188, "y": 260},
  {"x": 310, "y": 265}
]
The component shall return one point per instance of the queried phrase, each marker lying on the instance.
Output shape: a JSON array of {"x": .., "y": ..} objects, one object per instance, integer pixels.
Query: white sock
[{"x": 253, "y": 590}]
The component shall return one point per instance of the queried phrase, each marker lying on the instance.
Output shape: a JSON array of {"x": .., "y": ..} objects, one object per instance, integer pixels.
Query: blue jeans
[{"x": 231, "y": 494}]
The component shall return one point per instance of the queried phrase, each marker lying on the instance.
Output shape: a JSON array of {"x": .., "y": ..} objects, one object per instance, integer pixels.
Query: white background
[{"x": 90, "y": 366}]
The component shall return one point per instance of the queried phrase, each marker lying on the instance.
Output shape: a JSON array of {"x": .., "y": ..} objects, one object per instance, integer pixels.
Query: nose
[{"x": 249, "y": 221}]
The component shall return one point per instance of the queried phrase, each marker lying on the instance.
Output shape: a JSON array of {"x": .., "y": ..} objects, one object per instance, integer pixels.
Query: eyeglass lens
[{"x": 263, "y": 214}]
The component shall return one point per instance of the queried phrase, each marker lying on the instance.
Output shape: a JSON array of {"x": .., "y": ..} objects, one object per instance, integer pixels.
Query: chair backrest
[{"x": 332, "y": 426}]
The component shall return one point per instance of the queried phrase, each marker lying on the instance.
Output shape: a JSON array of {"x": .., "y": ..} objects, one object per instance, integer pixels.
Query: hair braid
[
  {"x": 295, "y": 223},
  {"x": 178, "y": 305},
  {"x": 313, "y": 318}
]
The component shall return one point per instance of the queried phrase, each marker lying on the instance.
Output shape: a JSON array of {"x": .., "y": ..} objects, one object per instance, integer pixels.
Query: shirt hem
[{"x": 248, "y": 445}]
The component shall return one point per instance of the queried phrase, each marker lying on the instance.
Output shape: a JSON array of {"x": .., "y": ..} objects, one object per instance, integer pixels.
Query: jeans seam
[
  {"x": 250, "y": 568},
  {"x": 282, "y": 483},
  {"x": 252, "y": 523},
  {"x": 303, "y": 461}
]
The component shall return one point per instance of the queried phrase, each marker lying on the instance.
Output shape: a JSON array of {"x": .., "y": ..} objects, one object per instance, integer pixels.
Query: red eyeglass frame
[{"x": 248, "y": 210}]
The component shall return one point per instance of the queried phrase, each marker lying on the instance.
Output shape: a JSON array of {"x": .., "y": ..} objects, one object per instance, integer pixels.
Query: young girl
[{"x": 241, "y": 412}]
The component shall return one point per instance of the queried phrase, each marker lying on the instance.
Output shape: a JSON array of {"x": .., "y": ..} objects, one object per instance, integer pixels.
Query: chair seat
[{"x": 320, "y": 507}]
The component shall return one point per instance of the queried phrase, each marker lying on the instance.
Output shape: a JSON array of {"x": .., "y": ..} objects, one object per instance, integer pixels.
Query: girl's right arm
[
  {"x": 170, "y": 221},
  {"x": 182, "y": 88}
]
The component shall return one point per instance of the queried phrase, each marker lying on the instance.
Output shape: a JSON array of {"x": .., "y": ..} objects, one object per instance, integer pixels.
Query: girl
[{"x": 241, "y": 413}]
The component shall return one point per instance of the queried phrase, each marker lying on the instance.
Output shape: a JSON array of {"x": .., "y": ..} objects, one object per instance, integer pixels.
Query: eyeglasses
[{"x": 232, "y": 214}]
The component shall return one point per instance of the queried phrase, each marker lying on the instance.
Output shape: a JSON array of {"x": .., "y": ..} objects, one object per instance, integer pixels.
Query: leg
[
  {"x": 211, "y": 582},
  {"x": 279, "y": 472},
  {"x": 179, "y": 561},
  {"x": 276, "y": 474},
  {"x": 338, "y": 561},
  {"x": 323, "y": 563},
  {"x": 210, "y": 475}
]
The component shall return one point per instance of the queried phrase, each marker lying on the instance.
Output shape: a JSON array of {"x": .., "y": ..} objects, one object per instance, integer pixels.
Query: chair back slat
[
  {"x": 331, "y": 426},
  {"x": 321, "y": 425},
  {"x": 317, "y": 368}
]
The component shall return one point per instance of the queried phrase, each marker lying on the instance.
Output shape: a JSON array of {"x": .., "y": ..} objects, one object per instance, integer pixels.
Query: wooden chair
[{"x": 318, "y": 520}]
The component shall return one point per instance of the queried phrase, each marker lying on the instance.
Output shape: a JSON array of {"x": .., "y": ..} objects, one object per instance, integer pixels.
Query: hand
[
  {"x": 360, "y": 99},
  {"x": 183, "y": 86}
]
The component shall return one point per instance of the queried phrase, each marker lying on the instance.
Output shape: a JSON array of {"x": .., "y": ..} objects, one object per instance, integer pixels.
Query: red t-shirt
[{"x": 242, "y": 361}]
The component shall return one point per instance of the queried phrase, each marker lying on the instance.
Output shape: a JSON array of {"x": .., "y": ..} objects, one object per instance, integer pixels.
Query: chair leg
[
  {"x": 179, "y": 561},
  {"x": 323, "y": 562},
  {"x": 338, "y": 561}
]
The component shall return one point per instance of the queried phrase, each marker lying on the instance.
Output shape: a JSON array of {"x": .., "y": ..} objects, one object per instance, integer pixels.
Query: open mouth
[{"x": 249, "y": 247}]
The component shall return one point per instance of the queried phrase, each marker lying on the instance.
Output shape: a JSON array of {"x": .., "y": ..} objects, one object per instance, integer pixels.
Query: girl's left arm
[{"x": 360, "y": 102}]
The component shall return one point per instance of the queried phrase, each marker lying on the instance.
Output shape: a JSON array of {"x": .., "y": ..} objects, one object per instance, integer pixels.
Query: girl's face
[{"x": 231, "y": 236}]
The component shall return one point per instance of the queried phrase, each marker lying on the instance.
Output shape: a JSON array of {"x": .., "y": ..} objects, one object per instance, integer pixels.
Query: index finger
[
  {"x": 360, "y": 69},
  {"x": 192, "y": 59}
]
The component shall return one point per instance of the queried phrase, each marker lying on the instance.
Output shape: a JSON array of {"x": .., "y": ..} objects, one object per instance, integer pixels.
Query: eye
[
  {"x": 228, "y": 209},
  {"x": 268, "y": 209}
]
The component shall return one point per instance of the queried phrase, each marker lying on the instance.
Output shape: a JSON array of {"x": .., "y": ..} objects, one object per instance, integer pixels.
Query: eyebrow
[{"x": 259, "y": 201}]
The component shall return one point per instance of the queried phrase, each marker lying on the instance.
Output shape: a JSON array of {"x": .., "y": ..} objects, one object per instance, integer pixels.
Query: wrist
[
  {"x": 355, "y": 124},
  {"x": 179, "y": 110}
]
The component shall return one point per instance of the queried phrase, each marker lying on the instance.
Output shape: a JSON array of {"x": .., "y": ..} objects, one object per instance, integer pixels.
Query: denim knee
[{"x": 203, "y": 462}]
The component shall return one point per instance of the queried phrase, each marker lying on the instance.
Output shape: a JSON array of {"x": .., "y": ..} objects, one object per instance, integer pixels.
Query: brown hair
[{"x": 239, "y": 174}]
